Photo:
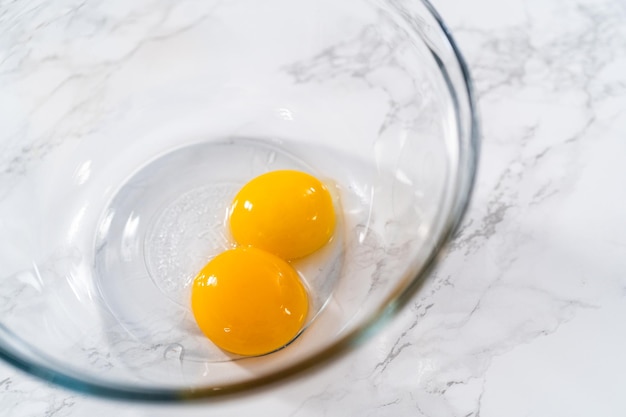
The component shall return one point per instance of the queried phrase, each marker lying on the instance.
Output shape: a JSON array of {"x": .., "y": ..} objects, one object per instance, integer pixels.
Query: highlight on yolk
[
  {"x": 248, "y": 301},
  {"x": 288, "y": 213}
]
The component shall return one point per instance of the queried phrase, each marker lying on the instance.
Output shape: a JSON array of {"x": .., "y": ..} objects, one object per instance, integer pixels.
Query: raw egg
[
  {"x": 249, "y": 301},
  {"x": 288, "y": 213}
]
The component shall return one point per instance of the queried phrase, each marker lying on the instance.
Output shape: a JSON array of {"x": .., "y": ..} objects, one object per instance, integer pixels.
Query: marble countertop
[{"x": 525, "y": 316}]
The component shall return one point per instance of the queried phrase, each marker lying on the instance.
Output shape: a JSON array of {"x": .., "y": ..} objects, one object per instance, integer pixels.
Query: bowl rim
[{"x": 374, "y": 321}]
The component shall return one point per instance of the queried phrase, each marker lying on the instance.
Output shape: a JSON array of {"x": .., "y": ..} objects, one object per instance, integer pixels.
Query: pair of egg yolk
[{"x": 249, "y": 300}]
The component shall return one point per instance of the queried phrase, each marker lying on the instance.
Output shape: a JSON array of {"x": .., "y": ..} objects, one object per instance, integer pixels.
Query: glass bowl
[{"x": 126, "y": 128}]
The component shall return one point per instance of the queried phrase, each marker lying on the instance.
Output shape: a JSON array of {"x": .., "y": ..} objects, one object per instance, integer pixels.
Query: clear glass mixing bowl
[{"x": 126, "y": 127}]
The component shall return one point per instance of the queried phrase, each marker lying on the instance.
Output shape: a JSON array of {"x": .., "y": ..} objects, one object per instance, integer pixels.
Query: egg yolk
[
  {"x": 249, "y": 301},
  {"x": 288, "y": 213}
]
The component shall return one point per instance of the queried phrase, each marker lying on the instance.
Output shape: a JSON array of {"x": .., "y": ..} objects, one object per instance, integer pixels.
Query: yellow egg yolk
[
  {"x": 249, "y": 301},
  {"x": 288, "y": 213}
]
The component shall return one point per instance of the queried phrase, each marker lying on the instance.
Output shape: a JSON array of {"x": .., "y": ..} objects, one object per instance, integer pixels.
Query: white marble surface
[{"x": 525, "y": 317}]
